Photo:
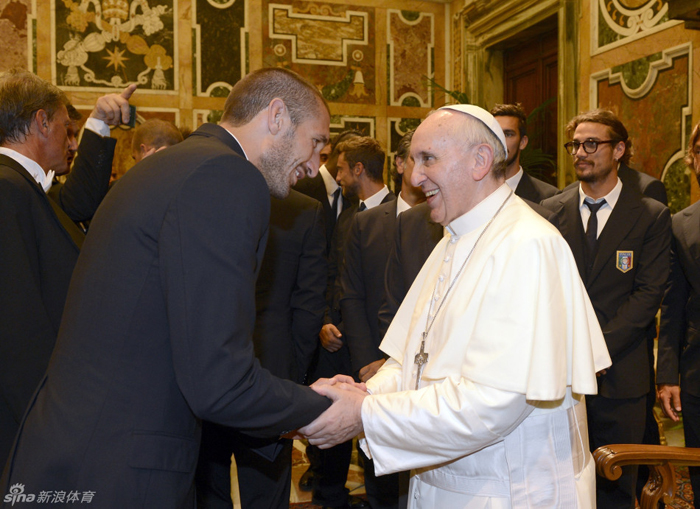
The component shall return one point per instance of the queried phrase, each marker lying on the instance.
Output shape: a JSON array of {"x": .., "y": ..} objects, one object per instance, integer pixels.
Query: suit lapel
[
  {"x": 525, "y": 189},
  {"x": 67, "y": 225},
  {"x": 572, "y": 228},
  {"x": 621, "y": 221}
]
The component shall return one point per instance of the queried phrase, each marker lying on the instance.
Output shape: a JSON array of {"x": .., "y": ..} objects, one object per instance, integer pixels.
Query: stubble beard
[{"x": 275, "y": 164}]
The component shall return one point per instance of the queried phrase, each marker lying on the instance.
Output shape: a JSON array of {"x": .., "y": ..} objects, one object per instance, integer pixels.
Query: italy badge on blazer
[{"x": 624, "y": 261}]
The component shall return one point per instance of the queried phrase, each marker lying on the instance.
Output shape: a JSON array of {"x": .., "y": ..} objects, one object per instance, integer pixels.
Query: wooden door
[{"x": 531, "y": 78}]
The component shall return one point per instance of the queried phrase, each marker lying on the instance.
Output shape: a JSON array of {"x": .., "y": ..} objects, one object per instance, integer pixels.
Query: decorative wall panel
[
  {"x": 411, "y": 39},
  {"x": 652, "y": 96},
  {"x": 220, "y": 44},
  {"x": 327, "y": 43},
  {"x": 112, "y": 43},
  {"x": 617, "y": 22},
  {"x": 17, "y": 34}
]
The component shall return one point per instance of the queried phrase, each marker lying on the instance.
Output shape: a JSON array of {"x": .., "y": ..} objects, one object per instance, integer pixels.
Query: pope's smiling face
[{"x": 442, "y": 166}]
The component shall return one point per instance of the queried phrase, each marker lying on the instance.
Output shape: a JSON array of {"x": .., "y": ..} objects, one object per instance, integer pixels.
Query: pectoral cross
[{"x": 421, "y": 360}]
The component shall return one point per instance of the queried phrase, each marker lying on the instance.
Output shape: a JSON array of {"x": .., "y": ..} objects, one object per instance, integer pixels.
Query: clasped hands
[{"x": 343, "y": 419}]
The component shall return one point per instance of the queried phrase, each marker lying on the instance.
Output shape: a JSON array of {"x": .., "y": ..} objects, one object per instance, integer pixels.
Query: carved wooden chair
[{"x": 662, "y": 477}]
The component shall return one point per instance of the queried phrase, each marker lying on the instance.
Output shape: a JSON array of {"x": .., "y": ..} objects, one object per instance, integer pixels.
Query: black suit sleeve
[
  {"x": 358, "y": 335},
  {"x": 307, "y": 300},
  {"x": 209, "y": 249},
  {"x": 632, "y": 316},
  {"x": 88, "y": 182},
  {"x": 673, "y": 322}
]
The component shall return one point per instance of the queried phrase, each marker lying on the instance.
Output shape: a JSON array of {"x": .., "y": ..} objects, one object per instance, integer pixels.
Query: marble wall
[
  {"x": 369, "y": 59},
  {"x": 640, "y": 64}
]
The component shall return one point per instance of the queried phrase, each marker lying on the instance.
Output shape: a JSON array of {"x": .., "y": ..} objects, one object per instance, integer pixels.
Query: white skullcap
[{"x": 484, "y": 116}]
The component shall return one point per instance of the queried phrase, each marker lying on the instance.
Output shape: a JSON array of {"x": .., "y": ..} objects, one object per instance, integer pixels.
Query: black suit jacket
[
  {"x": 679, "y": 336},
  {"x": 316, "y": 188},
  {"x": 156, "y": 334},
  {"x": 362, "y": 281},
  {"x": 415, "y": 237},
  {"x": 328, "y": 364},
  {"x": 39, "y": 245},
  {"x": 290, "y": 290},
  {"x": 625, "y": 302},
  {"x": 534, "y": 190}
]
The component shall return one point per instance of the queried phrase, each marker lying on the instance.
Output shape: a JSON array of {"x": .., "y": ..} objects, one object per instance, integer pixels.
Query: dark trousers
[
  {"x": 651, "y": 437},
  {"x": 616, "y": 421},
  {"x": 261, "y": 483},
  {"x": 691, "y": 429},
  {"x": 330, "y": 472},
  {"x": 384, "y": 491}
]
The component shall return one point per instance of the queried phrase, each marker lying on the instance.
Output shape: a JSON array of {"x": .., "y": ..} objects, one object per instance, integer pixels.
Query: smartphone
[{"x": 132, "y": 117}]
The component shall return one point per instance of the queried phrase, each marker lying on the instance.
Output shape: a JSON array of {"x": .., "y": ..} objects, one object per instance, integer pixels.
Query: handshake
[{"x": 343, "y": 419}]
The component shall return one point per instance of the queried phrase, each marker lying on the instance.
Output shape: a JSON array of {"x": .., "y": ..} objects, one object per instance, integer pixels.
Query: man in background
[
  {"x": 153, "y": 135},
  {"x": 40, "y": 238}
]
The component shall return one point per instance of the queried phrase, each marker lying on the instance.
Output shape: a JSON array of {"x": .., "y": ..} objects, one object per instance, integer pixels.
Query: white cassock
[{"x": 499, "y": 420}]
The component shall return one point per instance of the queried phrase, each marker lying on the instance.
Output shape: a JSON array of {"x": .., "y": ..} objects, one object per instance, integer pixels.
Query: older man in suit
[
  {"x": 678, "y": 370},
  {"x": 156, "y": 334},
  {"x": 40, "y": 239},
  {"x": 620, "y": 240}
]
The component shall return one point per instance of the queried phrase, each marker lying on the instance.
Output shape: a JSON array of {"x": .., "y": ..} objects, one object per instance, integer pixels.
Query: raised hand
[{"x": 113, "y": 109}]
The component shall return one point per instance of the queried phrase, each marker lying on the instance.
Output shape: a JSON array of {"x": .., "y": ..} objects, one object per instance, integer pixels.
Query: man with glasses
[{"x": 620, "y": 240}]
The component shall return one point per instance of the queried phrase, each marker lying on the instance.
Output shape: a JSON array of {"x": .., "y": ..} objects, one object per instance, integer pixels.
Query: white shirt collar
[
  {"x": 44, "y": 179},
  {"x": 328, "y": 180},
  {"x": 610, "y": 198},
  {"x": 515, "y": 179},
  {"x": 376, "y": 198},
  {"x": 239, "y": 143},
  {"x": 481, "y": 213},
  {"x": 401, "y": 205}
]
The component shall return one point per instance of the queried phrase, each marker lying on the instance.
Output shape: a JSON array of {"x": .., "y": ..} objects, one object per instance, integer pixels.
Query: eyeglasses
[{"x": 589, "y": 146}]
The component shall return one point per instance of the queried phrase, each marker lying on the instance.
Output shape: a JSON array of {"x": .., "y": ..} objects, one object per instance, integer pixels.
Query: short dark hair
[
  {"x": 22, "y": 94},
  {"x": 365, "y": 150},
  {"x": 156, "y": 133},
  {"x": 512, "y": 110},
  {"x": 253, "y": 93},
  {"x": 617, "y": 129},
  {"x": 689, "y": 158},
  {"x": 402, "y": 151}
]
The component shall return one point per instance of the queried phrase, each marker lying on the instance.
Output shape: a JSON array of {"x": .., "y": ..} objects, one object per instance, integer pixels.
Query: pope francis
[{"x": 490, "y": 352}]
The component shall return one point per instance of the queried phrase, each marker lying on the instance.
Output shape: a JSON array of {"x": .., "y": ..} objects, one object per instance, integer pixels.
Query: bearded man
[{"x": 156, "y": 334}]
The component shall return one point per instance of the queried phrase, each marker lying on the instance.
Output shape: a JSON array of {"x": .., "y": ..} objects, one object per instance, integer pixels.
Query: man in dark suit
[
  {"x": 678, "y": 367},
  {"x": 513, "y": 121},
  {"x": 360, "y": 168},
  {"x": 289, "y": 306},
  {"x": 40, "y": 239},
  {"x": 362, "y": 283},
  {"x": 325, "y": 189},
  {"x": 156, "y": 333},
  {"x": 620, "y": 240}
]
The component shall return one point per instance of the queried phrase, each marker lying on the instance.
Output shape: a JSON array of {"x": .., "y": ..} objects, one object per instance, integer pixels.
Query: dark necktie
[
  {"x": 336, "y": 202},
  {"x": 363, "y": 206},
  {"x": 592, "y": 230}
]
